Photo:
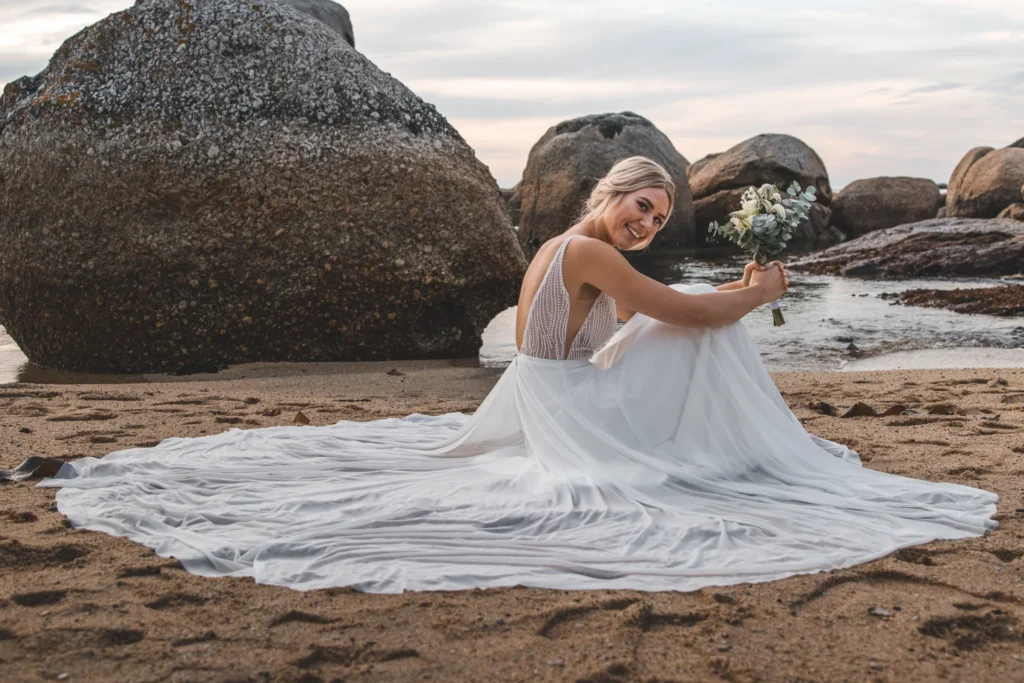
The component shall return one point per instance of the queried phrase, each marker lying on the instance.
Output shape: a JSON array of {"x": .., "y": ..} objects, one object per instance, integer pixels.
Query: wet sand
[{"x": 99, "y": 608}]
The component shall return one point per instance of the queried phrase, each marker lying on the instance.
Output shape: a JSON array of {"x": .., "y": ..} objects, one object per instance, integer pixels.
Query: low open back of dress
[{"x": 547, "y": 325}]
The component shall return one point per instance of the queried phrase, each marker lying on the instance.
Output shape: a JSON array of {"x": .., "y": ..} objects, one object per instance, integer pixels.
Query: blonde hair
[{"x": 626, "y": 176}]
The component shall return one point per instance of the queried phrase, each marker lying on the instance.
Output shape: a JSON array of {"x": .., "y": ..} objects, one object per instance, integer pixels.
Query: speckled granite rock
[
  {"x": 569, "y": 159},
  {"x": 331, "y": 13},
  {"x": 941, "y": 247},
  {"x": 985, "y": 182},
  {"x": 872, "y": 204},
  {"x": 187, "y": 186}
]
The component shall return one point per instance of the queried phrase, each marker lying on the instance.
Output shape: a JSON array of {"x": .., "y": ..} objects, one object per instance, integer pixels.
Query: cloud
[
  {"x": 876, "y": 87},
  {"x": 934, "y": 87}
]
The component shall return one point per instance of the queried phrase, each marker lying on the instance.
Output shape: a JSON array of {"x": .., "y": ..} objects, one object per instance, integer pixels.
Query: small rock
[
  {"x": 874, "y": 665},
  {"x": 63, "y": 677},
  {"x": 251, "y": 401},
  {"x": 556, "y": 662},
  {"x": 395, "y": 372},
  {"x": 998, "y": 382},
  {"x": 499, "y": 621},
  {"x": 822, "y": 407},
  {"x": 301, "y": 419},
  {"x": 941, "y": 409},
  {"x": 897, "y": 409},
  {"x": 860, "y": 410},
  {"x": 878, "y": 612},
  {"x": 25, "y": 430}
]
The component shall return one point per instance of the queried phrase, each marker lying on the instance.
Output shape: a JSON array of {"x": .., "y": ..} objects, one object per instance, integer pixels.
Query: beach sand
[{"x": 99, "y": 608}]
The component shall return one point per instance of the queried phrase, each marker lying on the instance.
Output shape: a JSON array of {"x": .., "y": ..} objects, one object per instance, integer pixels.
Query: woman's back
[{"x": 552, "y": 323}]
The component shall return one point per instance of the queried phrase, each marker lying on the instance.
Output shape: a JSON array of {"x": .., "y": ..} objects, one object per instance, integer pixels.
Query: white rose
[
  {"x": 751, "y": 207},
  {"x": 780, "y": 211}
]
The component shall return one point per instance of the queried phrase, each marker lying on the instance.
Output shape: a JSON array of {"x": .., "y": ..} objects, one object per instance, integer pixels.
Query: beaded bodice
[{"x": 548, "y": 320}]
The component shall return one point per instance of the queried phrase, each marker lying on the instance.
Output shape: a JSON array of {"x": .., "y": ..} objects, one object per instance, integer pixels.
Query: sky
[{"x": 894, "y": 87}]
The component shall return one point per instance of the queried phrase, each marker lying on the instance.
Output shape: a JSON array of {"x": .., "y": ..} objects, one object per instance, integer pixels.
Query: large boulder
[
  {"x": 873, "y": 204},
  {"x": 941, "y": 247},
  {"x": 569, "y": 159},
  {"x": 718, "y": 180},
  {"x": 331, "y": 13},
  {"x": 767, "y": 158},
  {"x": 985, "y": 182},
  {"x": 187, "y": 186}
]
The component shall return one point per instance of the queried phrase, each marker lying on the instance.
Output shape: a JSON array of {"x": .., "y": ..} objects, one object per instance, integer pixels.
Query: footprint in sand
[
  {"x": 119, "y": 637},
  {"x": 173, "y": 600},
  {"x": 974, "y": 631},
  {"x": 14, "y": 554},
  {"x": 132, "y": 572},
  {"x": 39, "y": 598}
]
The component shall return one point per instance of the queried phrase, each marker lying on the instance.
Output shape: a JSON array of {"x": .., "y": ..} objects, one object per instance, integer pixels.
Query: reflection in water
[{"x": 824, "y": 315}]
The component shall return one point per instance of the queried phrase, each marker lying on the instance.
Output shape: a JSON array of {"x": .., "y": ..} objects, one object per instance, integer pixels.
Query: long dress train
[{"x": 668, "y": 460}]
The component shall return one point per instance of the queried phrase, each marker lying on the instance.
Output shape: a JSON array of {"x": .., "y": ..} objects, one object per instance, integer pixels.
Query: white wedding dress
[{"x": 667, "y": 461}]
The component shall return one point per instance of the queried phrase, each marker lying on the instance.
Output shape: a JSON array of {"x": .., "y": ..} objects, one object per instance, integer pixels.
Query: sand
[{"x": 98, "y": 608}]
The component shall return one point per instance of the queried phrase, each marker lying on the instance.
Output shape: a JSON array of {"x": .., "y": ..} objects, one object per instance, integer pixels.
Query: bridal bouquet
[{"x": 765, "y": 223}]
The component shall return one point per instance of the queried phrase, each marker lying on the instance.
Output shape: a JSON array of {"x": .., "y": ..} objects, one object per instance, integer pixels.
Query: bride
[{"x": 660, "y": 457}]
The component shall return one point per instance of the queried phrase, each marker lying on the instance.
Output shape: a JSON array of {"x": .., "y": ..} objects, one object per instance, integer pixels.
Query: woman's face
[{"x": 632, "y": 221}]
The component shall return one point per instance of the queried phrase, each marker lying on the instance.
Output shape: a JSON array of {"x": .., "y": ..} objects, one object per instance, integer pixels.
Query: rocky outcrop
[
  {"x": 1006, "y": 300},
  {"x": 195, "y": 185},
  {"x": 1013, "y": 212},
  {"x": 985, "y": 182},
  {"x": 941, "y": 247},
  {"x": 718, "y": 180},
  {"x": 569, "y": 159},
  {"x": 873, "y": 204},
  {"x": 330, "y": 13}
]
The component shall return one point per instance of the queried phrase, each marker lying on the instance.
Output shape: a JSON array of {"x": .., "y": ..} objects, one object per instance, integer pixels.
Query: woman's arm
[
  {"x": 729, "y": 286},
  {"x": 601, "y": 265},
  {"x": 748, "y": 271}
]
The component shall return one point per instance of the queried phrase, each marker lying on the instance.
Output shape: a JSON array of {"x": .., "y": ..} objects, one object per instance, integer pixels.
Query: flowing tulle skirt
[{"x": 668, "y": 462}]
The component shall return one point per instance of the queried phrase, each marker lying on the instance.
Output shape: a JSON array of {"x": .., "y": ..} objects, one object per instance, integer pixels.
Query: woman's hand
[
  {"x": 748, "y": 270},
  {"x": 754, "y": 266},
  {"x": 774, "y": 281}
]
